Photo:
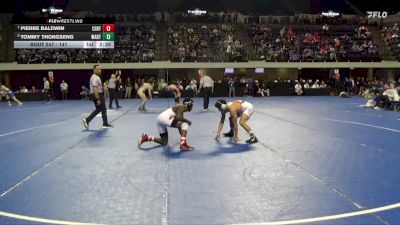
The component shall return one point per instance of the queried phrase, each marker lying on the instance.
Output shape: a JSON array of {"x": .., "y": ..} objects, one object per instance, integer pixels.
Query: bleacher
[
  {"x": 213, "y": 41},
  {"x": 311, "y": 43},
  {"x": 391, "y": 34}
]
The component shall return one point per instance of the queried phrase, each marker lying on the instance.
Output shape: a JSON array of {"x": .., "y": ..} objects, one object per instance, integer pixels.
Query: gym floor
[{"x": 319, "y": 160}]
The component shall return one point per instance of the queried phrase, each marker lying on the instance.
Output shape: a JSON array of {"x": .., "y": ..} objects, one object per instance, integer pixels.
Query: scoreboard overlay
[{"x": 65, "y": 33}]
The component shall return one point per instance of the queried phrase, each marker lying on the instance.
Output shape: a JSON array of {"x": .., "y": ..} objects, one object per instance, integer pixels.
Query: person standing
[
  {"x": 105, "y": 90},
  {"x": 231, "y": 84},
  {"x": 120, "y": 85},
  {"x": 97, "y": 95},
  {"x": 46, "y": 89},
  {"x": 207, "y": 84},
  {"x": 193, "y": 85},
  {"x": 51, "y": 85},
  {"x": 128, "y": 88},
  {"x": 135, "y": 86},
  {"x": 64, "y": 90},
  {"x": 112, "y": 89}
]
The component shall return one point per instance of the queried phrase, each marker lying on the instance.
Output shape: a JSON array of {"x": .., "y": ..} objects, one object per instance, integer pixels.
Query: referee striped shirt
[
  {"x": 206, "y": 81},
  {"x": 95, "y": 81}
]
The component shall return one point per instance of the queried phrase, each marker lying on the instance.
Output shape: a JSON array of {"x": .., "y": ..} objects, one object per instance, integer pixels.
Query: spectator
[
  {"x": 325, "y": 28},
  {"x": 162, "y": 85},
  {"x": 392, "y": 93},
  {"x": 298, "y": 89},
  {"x": 369, "y": 96},
  {"x": 34, "y": 90},
  {"x": 382, "y": 100},
  {"x": 306, "y": 85},
  {"x": 192, "y": 86},
  {"x": 231, "y": 84},
  {"x": 84, "y": 93},
  {"x": 128, "y": 88},
  {"x": 46, "y": 89},
  {"x": 24, "y": 90},
  {"x": 64, "y": 90},
  {"x": 105, "y": 90}
]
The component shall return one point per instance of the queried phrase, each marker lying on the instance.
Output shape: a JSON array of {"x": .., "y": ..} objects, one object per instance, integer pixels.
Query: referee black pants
[
  {"x": 113, "y": 96},
  {"x": 101, "y": 108},
  {"x": 47, "y": 94},
  {"x": 206, "y": 97}
]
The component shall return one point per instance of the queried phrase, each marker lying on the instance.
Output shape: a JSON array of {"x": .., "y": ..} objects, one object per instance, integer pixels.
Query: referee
[
  {"x": 207, "y": 84},
  {"x": 97, "y": 95},
  {"x": 113, "y": 89}
]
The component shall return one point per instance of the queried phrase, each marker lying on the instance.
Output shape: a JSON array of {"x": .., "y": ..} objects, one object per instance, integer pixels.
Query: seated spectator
[
  {"x": 369, "y": 96},
  {"x": 325, "y": 28},
  {"x": 372, "y": 50},
  {"x": 258, "y": 90},
  {"x": 315, "y": 85},
  {"x": 392, "y": 93},
  {"x": 162, "y": 85},
  {"x": 323, "y": 46},
  {"x": 382, "y": 99},
  {"x": 84, "y": 93},
  {"x": 24, "y": 90},
  {"x": 34, "y": 90},
  {"x": 344, "y": 94},
  {"x": 298, "y": 89}
]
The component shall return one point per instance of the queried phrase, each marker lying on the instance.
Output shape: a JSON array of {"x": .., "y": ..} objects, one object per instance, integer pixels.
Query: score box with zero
[
  {"x": 108, "y": 36},
  {"x": 108, "y": 28}
]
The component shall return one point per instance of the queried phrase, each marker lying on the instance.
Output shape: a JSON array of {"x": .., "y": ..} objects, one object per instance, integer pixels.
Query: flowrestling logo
[{"x": 377, "y": 14}]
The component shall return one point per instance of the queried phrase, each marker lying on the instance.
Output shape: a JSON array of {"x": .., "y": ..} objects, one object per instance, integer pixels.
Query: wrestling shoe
[
  {"x": 107, "y": 126},
  {"x": 85, "y": 124},
  {"x": 229, "y": 134},
  {"x": 143, "y": 139},
  {"x": 252, "y": 140},
  {"x": 185, "y": 147}
]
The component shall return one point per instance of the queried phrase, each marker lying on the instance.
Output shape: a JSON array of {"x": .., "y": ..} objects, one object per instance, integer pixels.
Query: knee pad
[
  {"x": 164, "y": 138},
  {"x": 185, "y": 126}
]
